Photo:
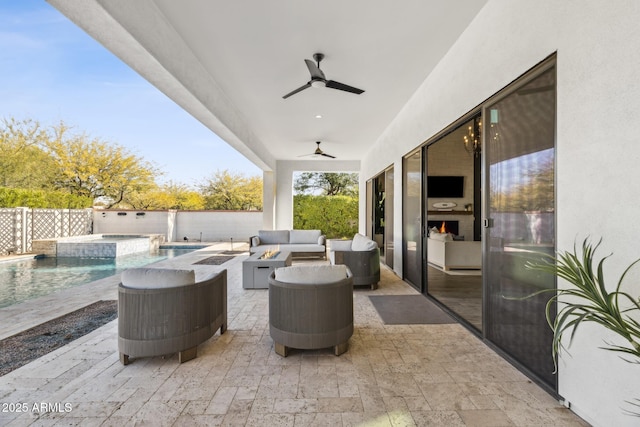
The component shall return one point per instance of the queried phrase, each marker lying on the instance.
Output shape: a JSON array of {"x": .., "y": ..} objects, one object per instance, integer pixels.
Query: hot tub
[{"x": 96, "y": 245}]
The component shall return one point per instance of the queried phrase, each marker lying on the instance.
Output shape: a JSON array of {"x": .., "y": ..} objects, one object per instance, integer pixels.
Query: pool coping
[{"x": 13, "y": 258}]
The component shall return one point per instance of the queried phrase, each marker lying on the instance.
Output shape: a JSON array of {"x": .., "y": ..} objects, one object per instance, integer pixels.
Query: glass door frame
[{"x": 549, "y": 63}]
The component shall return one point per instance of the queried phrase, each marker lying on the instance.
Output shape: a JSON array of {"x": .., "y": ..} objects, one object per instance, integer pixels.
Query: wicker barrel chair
[
  {"x": 311, "y": 307},
  {"x": 361, "y": 255},
  {"x": 164, "y": 311}
]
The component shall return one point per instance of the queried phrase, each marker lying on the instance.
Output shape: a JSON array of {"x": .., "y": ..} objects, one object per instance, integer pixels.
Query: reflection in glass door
[
  {"x": 381, "y": 208},
  {"x": 520, "y": 220},
  {"x": 412, "y": 257},
  {"x": 379, "y": 211},
  {"x": 388, "y": 218}
]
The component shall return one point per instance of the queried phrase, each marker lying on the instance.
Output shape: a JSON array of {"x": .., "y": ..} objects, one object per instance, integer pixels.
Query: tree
[
  {"x": 168, "y": 196},
  {"x": 23, "y": 163},
  {"x": 93, "y": 168},
  {"x": 535, "y": 192},
  {"x": 327, "y": 183},
  {"x": 232, "y": 191}
]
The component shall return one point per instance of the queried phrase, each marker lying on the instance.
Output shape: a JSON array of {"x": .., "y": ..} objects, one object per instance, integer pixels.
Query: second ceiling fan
[
  {"x": 318, "y": 79},
  {"x": 318, "y": 153}
]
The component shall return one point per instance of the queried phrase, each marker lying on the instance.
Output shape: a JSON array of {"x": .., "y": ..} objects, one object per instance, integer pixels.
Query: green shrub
[
  {"x": 335, "y": 216},
  {"x": 17, "y": 197}
]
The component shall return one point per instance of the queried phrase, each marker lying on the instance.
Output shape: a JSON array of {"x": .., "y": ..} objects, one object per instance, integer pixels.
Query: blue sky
[{"x": 52, "y": 71}]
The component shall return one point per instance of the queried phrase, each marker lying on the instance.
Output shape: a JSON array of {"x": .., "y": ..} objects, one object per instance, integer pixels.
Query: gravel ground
[{"x": 33, "y": 343}]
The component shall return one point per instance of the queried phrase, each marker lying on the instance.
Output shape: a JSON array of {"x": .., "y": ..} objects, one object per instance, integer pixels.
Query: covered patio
[
  {"x": 426, "y": 69},
  {"x": 391, "y": 375}
]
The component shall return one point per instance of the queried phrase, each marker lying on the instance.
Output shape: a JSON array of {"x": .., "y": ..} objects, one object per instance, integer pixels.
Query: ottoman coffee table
[{"x": 257, "y": 268}]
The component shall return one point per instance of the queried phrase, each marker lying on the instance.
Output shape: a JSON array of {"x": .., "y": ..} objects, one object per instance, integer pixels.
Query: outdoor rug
[
  {"x": 24, "y": 347},
  {"x": 215, "y": 260},
  {"x": 409, "y": 310}
]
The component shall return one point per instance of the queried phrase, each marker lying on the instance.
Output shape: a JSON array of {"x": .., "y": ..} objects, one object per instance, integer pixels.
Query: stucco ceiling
[{"x": 229, "y": 63}]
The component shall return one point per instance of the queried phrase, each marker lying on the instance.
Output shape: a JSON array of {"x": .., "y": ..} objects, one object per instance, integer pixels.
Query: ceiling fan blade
[
  {"x": 314, "y": 70},
  {"x": 328, "y": 155},
  {"x": 301, "y": 88},
  {"x": 341, "y": 86}
]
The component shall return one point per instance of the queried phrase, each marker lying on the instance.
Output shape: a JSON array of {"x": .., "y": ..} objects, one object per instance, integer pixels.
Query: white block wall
[{"x": 213, "y": 226}]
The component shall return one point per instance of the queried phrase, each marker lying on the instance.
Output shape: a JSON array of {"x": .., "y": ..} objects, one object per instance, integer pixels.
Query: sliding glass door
[
  {"x": 520, "y": 221},
  {"x": 412, "y": 226},
  {"x": 454, "y": 248},
  {"x": 489, "y": 180}
]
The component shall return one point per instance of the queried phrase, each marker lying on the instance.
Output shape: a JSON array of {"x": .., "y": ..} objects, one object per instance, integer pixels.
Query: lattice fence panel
[
  {"x": 45, "y": 223},
  {"x": 20, "y": 226},
  {"x": 80, "y": 222},
  {"x": 10, "y": 223}
]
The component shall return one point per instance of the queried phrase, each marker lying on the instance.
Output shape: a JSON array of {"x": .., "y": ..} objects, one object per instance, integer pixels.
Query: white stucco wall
[
  {"x": 598, "y": 148},
  {"x": 210, "y": 226}
]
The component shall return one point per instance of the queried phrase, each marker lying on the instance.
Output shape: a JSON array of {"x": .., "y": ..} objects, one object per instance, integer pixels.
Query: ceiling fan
[
  {"x": 318, "y": 152},
  {"x": 318, "y": 79}
]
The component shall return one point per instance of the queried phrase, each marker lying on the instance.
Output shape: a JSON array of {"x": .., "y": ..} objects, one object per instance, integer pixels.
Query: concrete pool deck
[{"x": 391, "y": 374}]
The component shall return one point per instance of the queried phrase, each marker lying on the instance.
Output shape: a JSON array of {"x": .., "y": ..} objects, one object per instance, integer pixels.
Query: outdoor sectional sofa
[{"x": 301, "y": 243}]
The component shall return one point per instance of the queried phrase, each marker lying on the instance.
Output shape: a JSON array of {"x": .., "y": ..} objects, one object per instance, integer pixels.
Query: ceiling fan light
[{"x": 318, "y": 83}]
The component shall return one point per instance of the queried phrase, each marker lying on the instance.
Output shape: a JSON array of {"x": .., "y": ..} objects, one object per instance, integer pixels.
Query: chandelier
[{"x": 472, "y": 139}]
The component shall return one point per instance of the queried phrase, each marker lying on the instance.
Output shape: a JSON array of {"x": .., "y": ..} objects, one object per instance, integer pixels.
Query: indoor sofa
[
  {"x": 449, "y": 254},
  {"x": 301, "y": 243}
]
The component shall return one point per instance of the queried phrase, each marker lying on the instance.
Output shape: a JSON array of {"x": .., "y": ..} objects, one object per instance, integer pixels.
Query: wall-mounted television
[{"x": 445, "y": 186}]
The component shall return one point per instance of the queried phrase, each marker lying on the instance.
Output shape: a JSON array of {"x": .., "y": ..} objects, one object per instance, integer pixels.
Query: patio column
[{"x": 268, "y": 200}]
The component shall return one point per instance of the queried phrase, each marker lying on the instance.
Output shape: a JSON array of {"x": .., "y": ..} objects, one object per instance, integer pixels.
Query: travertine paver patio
[{"x": 391, "y": 375}]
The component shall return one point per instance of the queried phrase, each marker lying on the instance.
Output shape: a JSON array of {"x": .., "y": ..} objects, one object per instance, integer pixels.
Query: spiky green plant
[{"x": 590, "y": 301}]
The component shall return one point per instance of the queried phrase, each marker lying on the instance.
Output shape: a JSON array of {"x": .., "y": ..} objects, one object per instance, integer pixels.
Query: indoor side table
[{"x": 257, "y": 268}]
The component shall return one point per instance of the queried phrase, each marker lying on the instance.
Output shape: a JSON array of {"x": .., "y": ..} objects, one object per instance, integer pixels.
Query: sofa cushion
[
  {"x": 362, "y": 243},
  {"x": 255, "y": 241},
  {"x": 340, "y": 245},
  {"x": 311, "y": 274},
  {"x": 304, "y": 236},
  {"x": 273, "y": 237},
  {"x": 156, "y": 278}
]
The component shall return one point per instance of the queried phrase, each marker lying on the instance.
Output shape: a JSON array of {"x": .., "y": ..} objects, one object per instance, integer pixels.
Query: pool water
[{"x": 26, "y": 279}]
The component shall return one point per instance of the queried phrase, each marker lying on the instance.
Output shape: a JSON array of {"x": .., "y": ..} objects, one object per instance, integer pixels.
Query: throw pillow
[{"x": 362, "y": 243}]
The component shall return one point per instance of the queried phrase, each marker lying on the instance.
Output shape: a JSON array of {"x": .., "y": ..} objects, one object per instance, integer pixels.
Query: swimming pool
[{"x": 30, "y": 278}]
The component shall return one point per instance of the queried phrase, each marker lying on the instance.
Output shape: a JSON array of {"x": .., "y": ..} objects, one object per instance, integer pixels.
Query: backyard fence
[
  {"x": 20, "y": 226},
  {"x": 206, "y": 226}
]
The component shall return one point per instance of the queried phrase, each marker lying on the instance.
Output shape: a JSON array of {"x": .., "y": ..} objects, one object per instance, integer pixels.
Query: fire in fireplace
[{"x": 444, "y": 226}]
